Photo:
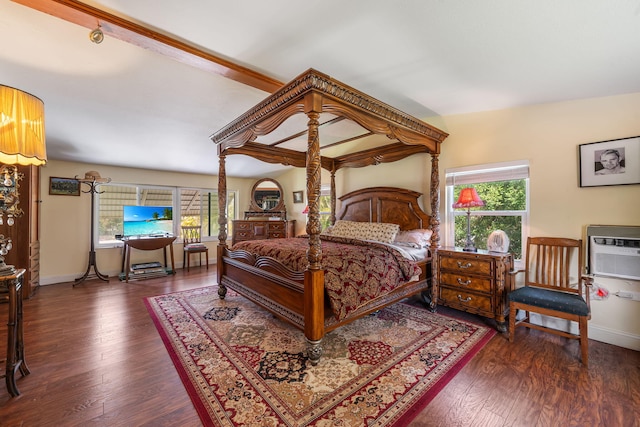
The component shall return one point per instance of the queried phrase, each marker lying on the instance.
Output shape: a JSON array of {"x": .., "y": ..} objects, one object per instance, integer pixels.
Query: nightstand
[{"x": 475, "y": 282}]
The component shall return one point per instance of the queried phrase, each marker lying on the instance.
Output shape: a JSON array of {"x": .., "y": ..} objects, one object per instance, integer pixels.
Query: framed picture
[
  {"x": 298, "y": 196},
  {"x": 64, "y": 186},
  {"x": 613, "y": 162}
]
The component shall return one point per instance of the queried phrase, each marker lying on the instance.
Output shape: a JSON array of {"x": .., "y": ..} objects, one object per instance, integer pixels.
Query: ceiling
[{"x": 115, "y": 103}]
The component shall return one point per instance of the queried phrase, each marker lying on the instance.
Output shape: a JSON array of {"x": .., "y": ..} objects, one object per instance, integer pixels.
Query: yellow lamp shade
[{"x": 22, "y": 139}]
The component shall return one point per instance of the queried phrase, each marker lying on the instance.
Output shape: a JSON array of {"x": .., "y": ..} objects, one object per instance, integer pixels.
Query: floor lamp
[
  {"x": 468, "y": 199},
  {"x": 22, "y": 142},
  {"x": 92, "y": 179}
]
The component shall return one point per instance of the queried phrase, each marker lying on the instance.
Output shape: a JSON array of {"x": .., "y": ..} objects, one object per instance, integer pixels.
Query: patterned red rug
[{"x": 243, "y": 367}]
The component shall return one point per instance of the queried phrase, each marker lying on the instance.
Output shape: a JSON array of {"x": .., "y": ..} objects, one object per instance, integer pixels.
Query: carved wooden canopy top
[{"x": 316, "y": 92}]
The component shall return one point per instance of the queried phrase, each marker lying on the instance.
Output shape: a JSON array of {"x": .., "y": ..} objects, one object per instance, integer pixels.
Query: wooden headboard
[{"x": 384, "y": 204}]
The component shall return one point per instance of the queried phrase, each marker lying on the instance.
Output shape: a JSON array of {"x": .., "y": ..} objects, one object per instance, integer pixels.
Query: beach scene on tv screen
[{"x": 145, "y": 220}]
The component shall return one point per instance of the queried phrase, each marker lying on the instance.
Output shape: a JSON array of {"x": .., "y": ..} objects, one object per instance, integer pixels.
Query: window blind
[{"x": 487, "y": 173}]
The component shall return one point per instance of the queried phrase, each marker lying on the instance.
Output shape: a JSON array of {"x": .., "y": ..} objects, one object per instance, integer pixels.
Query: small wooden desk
[
  {"x": 147, "y": 244},
  {"x": 15, "y": 334}
]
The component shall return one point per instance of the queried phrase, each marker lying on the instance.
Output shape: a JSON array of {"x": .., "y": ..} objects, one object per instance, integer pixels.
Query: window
[
  {"x": 504, "y": 187},
  {"x": 196, "y": 207},
  {"x": 324, "y": 206},
  {"x": 200, "y": 207}
]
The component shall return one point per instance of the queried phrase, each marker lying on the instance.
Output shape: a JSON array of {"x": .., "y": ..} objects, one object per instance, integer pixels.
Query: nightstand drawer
[
  {"x": 466, "y": 301},
  {"x": 465, "y": 265},
  {"x": 466, "y": 282}
]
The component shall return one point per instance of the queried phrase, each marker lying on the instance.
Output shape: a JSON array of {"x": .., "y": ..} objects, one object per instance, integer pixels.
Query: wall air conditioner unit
[{"x": 614, "y": 251}]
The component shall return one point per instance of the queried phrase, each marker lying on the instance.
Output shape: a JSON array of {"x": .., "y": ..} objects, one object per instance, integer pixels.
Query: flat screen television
[{"x": 147, "y": 220}]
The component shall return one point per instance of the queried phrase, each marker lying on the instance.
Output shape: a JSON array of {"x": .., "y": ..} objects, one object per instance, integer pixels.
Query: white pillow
[{"x": 418, "y": 238}]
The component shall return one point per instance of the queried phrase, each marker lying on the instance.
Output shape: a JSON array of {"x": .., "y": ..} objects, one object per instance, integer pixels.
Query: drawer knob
[
  {"x": 464, "y": 282},
  {"x": 465, "y": 265},
  {"x": 467, "y": 299}
]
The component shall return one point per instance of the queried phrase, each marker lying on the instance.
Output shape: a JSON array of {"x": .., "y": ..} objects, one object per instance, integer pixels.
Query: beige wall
[
  {"x": 65, "y": 220},
  {"x": 546, "y": 135}
]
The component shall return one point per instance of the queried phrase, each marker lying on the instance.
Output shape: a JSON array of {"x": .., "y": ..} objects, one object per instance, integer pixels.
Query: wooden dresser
[
  {"x": 475, "y": 282},
  {"x": 256, "y": 229}
]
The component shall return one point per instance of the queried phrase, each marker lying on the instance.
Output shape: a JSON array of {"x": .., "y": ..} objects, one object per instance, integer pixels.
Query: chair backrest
[
  {"x": 554, "y": 263},
  {"x": 191, "y": 234}
]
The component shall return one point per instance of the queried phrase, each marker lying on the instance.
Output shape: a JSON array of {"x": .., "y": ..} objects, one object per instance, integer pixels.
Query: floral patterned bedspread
[{"x": 356, "y": 271}]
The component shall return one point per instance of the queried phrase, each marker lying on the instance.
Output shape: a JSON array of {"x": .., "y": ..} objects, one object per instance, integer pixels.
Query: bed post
[
  {"x": 314, "y": 275},
  {"x": 332, "y": 218},
  {"x": 222, "y": 222},
  {"x": 435, "y": 202}
]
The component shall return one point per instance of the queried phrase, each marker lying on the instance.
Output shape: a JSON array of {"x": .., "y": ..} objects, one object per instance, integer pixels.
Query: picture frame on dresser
[
  {"x": 612, "y": 162},
  {"x": 64, "y": 186}
]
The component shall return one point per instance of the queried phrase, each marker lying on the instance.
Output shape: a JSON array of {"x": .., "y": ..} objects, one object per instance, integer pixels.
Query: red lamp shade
[
  {"x": 305, "y": 210},
  {"x": 468, "y": 199}
]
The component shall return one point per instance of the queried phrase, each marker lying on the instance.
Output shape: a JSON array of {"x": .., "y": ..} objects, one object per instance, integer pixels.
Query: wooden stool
[{"x": 15, "y": 333}]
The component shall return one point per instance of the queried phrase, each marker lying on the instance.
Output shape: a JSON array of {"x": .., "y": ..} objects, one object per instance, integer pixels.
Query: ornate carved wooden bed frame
[{"x": 299, "y": 297}]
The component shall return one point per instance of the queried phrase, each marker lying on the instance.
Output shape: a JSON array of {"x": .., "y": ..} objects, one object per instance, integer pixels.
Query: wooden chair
[
  {"x": 191, "y": 237},
  {"x": 554, "y": 287}
]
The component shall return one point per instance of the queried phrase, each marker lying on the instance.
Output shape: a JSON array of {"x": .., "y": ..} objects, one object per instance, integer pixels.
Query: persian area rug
[{"x": 244, "y": 367}]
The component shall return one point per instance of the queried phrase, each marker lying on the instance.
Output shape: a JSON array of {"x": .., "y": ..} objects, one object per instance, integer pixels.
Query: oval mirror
[{"x": 267, "y": 196}]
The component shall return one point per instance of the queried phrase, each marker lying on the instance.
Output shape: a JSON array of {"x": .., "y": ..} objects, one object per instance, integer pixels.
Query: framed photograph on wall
[
  {"x": 64, "y": 186},
  {"x": 613, "y": 162},
  {"x": 298, "y": 196}
]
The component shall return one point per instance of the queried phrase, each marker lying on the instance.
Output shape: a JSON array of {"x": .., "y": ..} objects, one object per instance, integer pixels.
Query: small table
[
  {"x": 146, "y": 244},
  {"x": 15, "y": 335},
  {"x": 475, "y": 282}
]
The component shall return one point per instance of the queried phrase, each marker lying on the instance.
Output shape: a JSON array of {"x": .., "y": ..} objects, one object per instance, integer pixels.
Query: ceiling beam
[{"x": 136, "y": 34}]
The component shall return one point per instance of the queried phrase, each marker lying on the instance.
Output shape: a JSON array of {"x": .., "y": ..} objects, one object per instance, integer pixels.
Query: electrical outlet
[{"x": 635, "y": 296}]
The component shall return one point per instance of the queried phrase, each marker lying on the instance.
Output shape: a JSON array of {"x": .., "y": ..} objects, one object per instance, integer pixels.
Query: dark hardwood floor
[{"x": 96, "y": 359}]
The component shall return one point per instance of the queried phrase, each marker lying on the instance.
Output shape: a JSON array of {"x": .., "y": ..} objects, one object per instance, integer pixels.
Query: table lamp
[{"x": 468, "y": 199}]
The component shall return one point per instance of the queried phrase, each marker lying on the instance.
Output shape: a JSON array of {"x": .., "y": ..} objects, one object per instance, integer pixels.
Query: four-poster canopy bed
[{"x": 298, "y": 295}]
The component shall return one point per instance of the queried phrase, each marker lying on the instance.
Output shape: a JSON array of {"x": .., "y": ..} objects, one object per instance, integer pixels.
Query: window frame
[
  {"x": 325, "y": 191},
  {"x": 175, "y": 203},
  {"x": 484, "y": 173},
  {"x": 211, "y": 236}
]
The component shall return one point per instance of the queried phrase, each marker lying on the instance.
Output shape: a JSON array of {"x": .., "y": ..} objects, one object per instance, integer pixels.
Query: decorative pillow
[
  {"x": 378, "y": 231},
  {"x": 418, "y": 238},
  {"x": 327, "y": 231}
]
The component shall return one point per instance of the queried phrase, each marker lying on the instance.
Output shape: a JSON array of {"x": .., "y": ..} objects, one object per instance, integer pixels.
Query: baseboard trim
[{"x": 612, "y": 336}]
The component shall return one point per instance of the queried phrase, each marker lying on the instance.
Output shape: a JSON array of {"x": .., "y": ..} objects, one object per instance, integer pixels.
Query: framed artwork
[
  {"x": 613, "y": 162},
  {"x": 64, "y": 186},
  {"x": 298, "y": 196}
]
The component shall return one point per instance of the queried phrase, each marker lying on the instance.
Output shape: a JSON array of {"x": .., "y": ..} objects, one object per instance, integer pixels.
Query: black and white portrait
[{"x": 610, "y": 161}]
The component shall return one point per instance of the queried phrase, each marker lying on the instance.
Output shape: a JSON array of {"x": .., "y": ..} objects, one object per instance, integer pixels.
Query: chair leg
[
  {"x": 206, "y": 255},
  {"x": 512, "y": 321},
  {"x": 584, "y": 340}
]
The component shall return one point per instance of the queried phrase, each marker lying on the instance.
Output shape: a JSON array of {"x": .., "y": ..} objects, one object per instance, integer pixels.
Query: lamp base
[{"x": 469, "y": 246}]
